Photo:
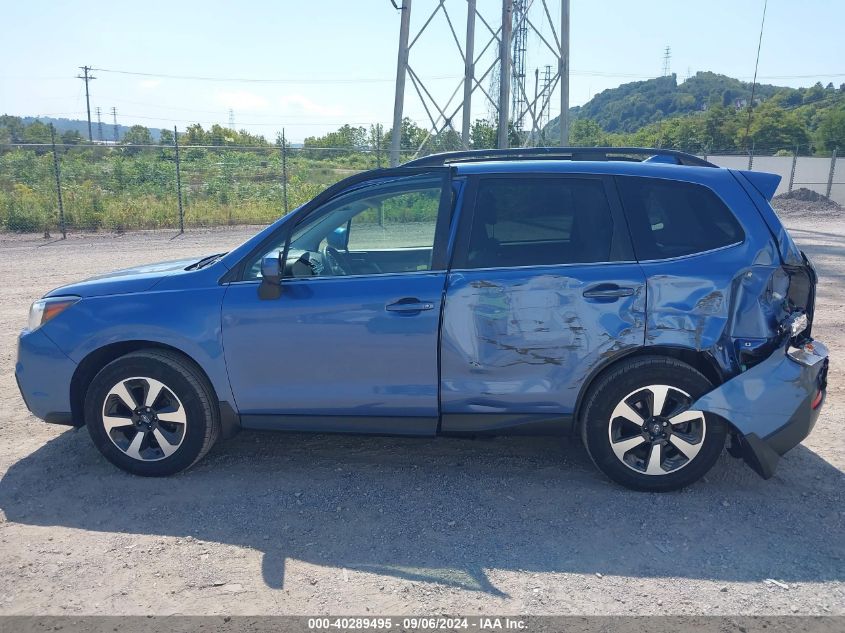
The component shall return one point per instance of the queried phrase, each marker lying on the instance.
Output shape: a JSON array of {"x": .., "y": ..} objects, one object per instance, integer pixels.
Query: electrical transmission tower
[
  {"x": 519, "y": 99},
  {"x": 667, "y": 57},
  {"x": 86, "y": 78},
  {"x": 99, "y": 125},
  {"x": 545, "y": 100},
  {"x": 231, "y": 119},
  {"x": 115, "y": 128},
  {"x": 502, "y": 82}
]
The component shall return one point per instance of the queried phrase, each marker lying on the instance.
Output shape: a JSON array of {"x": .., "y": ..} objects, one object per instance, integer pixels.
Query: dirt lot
[{"x": 293, "y": 524}]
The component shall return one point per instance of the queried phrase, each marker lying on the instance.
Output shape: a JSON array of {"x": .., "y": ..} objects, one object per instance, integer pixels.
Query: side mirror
[
  {"x": 271, "y": 278},
  {"x": 271, "y": 270}
]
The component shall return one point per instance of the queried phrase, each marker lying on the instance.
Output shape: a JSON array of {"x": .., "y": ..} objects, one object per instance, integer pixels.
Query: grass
[{"x": 113, "y": 190}]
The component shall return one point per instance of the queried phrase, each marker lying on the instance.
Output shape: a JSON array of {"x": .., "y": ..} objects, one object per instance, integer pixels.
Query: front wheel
[
  {"x": 151, "y": 413},
  {"x": 640, "y": 431}
]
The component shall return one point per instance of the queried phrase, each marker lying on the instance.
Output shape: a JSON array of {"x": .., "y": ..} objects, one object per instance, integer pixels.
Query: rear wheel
[
  {"x": 151, "y": 413},
  {"x": 640, "y": 430}
]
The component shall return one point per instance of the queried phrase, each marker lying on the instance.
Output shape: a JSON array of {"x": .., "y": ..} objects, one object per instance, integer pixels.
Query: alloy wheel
[
  {"x": 653, "y": 431},
  {"x": 144, "y": 418}
]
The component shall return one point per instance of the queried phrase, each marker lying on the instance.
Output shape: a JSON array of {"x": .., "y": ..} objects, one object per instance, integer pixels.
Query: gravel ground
[{"x": 295, "y": 524}]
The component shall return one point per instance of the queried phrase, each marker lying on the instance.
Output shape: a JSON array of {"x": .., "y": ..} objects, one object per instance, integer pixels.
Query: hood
[{"x": 129, "y": 280}]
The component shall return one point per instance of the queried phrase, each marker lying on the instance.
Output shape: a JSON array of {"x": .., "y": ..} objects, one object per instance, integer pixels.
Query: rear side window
[
  {"x": 538, "y": 222},
  {"x": 672, "y": 219}
]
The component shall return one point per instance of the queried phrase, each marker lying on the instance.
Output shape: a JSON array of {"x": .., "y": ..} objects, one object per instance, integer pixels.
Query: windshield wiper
[{"x": 205, "y": 261}]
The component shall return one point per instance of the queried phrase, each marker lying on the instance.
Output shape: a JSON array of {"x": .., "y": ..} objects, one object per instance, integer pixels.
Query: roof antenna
[{"x": 754, "y": 82}]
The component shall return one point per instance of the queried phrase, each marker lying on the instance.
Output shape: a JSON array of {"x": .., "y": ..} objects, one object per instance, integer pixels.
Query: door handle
[
  {"x": 409, "y": 304},
  {"x": 607, "y": 291}
]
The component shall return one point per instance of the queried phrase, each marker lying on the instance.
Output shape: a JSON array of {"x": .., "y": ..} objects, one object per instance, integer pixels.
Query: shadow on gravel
[{"x": 447, "y": 510}]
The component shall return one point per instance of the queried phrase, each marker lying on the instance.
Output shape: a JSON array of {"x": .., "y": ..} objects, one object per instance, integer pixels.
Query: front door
[
  {"x": 543, "y": 291},
  {"x": 350, "y": 343}
]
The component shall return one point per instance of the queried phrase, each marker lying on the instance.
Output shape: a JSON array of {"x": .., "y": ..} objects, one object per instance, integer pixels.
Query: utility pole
[
  {"x": 667, "y": 58},
  {"x": 378, "y": 145},
  {"x": 99, "y": 125},
  {"x": 58, "y": 187},
  {"x": 178, "y": 181},
  {"x": 469, "y": 72},
  {"x": 114, "y": 127},
  {"x": 792, "y": 171},
  {"x": 284, "y": 171},
  {"x": 231, "y": 119},
  {"x": 505, "y": 72},
  {"x": 401, "y": 71},
  {"x": 86, "y": 78},
  {"x": 832, "y": 171},
  {"x": 564, "y": 73},
  {"x": 537, "y": 141}
]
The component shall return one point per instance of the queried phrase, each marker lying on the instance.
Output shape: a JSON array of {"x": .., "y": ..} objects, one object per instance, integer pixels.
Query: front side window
[
  {"x": 671, "y": 219},
  {"x": 539, "y": 222},
  {"x": 382, "y": 228}
]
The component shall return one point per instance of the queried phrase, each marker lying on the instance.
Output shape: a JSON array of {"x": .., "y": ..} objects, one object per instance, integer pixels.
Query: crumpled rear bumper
[{"x": 774, "y": 405}]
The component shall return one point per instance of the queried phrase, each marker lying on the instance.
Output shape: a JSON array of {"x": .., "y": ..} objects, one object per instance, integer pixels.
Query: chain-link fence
[
  {"x": 54, "y": 189},
  {"x": 118, "y": 188}
]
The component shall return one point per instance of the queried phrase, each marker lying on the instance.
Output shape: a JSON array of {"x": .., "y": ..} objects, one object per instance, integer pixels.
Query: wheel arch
[
  {"x": 102, "y": 356},
  {"x": 697, "y": 359}
]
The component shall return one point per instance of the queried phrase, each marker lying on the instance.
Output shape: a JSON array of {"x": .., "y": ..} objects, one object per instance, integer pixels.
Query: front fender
[{"x": 186, "y": 319}]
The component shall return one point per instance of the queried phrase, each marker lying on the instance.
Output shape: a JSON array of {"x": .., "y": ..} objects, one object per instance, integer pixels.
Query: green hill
[{"x": 709, "y": 110}]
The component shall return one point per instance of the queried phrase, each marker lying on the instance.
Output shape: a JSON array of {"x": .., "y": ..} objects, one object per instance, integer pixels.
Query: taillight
[{"x": 817, "y": 400}]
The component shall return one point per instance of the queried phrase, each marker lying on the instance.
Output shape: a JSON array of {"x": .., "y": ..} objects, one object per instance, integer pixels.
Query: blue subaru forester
[{"x": 644, "y": 300}]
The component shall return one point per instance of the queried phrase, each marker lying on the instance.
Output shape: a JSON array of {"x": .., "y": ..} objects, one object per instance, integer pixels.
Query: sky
[{"x": 309, "y": 67}]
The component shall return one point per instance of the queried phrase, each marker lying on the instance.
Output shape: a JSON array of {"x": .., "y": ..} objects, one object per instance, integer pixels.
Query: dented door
[
  {"x": 518, "y": 344},
  {"x": 543, "y": 291}
]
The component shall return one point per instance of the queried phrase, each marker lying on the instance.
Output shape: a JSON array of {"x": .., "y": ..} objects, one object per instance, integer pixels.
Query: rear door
[{"x": 543, "y": 288}]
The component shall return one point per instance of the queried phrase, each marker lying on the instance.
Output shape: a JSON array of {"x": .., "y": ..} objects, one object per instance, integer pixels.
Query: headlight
[{"x": 45, "y": 309}]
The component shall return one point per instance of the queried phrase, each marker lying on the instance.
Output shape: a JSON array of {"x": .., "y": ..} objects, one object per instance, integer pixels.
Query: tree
[
  {"x": 482, "y": 134},
  {"x": 816, "y": 93},
  {"x": 36, "y": 132},
  {"x": 773, "y": 128},
  {"x": 11, "y": 129},
  {"x": 71, "y": 137},
  {"x": 587, "y": 133},
  {"x": 721, "y": 126},
  {"x": 138, "y": 135},
  {"x": 830, "y": 133},
  {"x": 195, "y": 135},
  {"x": 411, "y": 138},
  {"x": 166, "y": 137},
  {"x": 345, "y": 140}
]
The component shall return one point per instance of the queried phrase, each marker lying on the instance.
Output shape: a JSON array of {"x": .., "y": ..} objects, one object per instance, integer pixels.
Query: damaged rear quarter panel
[{"x": 726, "y": 302}]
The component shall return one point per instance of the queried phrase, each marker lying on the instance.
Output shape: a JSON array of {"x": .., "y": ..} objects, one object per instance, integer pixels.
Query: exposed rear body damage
[
  {"x": 774, "y": 405},
  {"x": 774, "y": 378}
]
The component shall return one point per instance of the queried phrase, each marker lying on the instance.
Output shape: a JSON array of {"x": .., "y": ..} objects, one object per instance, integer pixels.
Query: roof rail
[{"x": 560, "y": 153}]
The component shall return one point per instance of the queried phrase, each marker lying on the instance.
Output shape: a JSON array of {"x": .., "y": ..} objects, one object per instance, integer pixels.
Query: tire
[
  {"x": 177, "y": 428},
  {"x": 641, "y": 450}
]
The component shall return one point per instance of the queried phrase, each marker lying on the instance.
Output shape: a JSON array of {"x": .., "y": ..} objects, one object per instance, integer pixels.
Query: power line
[
  {"x": 253, "y": 123},
  {"x": 259, "y": 80},
  {"x": 585, "y": 73}
]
